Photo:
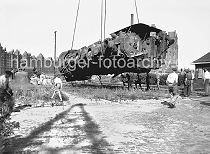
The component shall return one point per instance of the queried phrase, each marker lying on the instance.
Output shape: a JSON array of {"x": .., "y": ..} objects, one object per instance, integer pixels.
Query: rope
[
  {"x": 137, "y": 11},
  {"x": 75, "y": 25},
  {"x": 104, "y": 19},
  {"x": 101, "y": 25}
]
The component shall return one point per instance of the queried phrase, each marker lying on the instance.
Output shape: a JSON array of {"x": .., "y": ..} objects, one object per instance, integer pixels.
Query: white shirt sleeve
[
  {"x": 176, "y": 79},
  {"x": 167, "y": 80},
  {"x": 58, "y": 81},
  {"x": 61, "y": 83}
]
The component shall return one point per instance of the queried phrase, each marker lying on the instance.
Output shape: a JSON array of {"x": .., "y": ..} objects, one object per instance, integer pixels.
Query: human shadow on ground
[
  {"x": 90, "y": 129},
  {"x": 98, "y": 145},
  {"x": 205, "y": 103},
  {"x": 20, "y": 143},
  {"x": 202, "y": 102}
]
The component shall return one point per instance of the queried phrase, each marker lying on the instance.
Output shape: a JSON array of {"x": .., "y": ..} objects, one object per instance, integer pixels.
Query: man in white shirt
[
  {"x": 172, "y": 81},
  {"x": 42, "y": 77},
  {"x": 206, "y": 74},
  {"x": 206, "y": 81},
  {"x": 58, "y": 86}
]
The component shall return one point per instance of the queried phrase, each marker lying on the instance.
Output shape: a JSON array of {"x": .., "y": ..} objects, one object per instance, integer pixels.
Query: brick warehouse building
[{"x": 14, "y": 60}]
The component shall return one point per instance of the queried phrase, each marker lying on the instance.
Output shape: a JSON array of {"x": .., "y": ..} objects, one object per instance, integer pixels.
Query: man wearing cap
[{"x": 172, "y": 81}]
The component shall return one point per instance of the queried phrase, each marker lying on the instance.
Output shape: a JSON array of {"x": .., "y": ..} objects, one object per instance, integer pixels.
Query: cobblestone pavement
[{"x": 143, "y": 126}]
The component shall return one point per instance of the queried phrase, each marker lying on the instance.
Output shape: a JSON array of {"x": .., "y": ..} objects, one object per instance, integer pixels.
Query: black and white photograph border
[{"x": 104, "y": 76}]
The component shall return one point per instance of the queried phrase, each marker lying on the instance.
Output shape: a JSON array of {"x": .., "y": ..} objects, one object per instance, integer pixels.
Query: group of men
[
  {"x": 6, "y": 91},
  {"x": 43, "y": 80},
  {"x": 188, "y": 78},
  {"x": 172, "y": 83}
]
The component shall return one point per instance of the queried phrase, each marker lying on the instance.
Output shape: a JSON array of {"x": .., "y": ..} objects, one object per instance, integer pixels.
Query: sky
[{"x": 29, "y": 25}]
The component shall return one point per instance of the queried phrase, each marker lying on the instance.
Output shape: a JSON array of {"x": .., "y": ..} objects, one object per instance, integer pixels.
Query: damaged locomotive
[{"x": 137, "y": 48}]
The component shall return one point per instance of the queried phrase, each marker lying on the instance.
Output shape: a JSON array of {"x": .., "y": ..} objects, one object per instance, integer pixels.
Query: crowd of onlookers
[
  {"x": 22, "y": 77},
  {"x": 186, "y": 79},
  {"x": 41, "y": 80}
]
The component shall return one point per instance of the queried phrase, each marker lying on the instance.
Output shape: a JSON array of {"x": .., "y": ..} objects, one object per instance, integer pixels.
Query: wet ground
[{"x": 89, "y": 126}]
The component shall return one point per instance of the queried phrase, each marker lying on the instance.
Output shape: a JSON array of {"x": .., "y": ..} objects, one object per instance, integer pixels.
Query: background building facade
[{"x": 14, "y": 60}]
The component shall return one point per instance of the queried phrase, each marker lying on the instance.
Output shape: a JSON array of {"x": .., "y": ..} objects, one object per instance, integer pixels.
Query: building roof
[
  {"x": 25, "y": 53},
  {"x": 40, "y": 56},
  {"x": 17, "y": 52},
  {"x": 204, "y": 59},
  {"x": 34, "y": 57},
  {"x": 140, "y": 29}
]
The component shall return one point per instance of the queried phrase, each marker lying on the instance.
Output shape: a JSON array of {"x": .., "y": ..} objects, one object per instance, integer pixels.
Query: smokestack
[{"x": 132, "y": 19}]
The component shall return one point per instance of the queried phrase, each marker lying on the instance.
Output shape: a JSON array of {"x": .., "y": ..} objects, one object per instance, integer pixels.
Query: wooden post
[{"x": 132, "y": 19}]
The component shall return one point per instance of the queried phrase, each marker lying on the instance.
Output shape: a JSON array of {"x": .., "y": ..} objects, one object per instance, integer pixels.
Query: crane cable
[
  {"x": 104, "y": 18},
  {"x": 103, "y": 22},
  {"x": 75, "y": 26},
  {"x": 136, "y": 11},
  {"x": 101, "y": 25}
]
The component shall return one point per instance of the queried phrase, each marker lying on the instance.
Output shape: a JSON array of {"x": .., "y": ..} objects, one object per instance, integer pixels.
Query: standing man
[
  {"x": 172, "y": 81},
  {"x": 147, "y": 81},
  {"x": 187, "y": 83},
  {"x": 58, "y": 86},
  {"x": 129, "y": 81},
  {"x": 123, "y": 79},
  {"x": 206, "y": 81},
  {"x": 138, "y": 81},
  {"x": 192, "y": 81},
  {"x": 158, "y": 79}
]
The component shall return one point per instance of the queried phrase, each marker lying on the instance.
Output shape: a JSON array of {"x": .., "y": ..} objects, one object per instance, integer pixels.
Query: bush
[{"x": 6, "y": 108}]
